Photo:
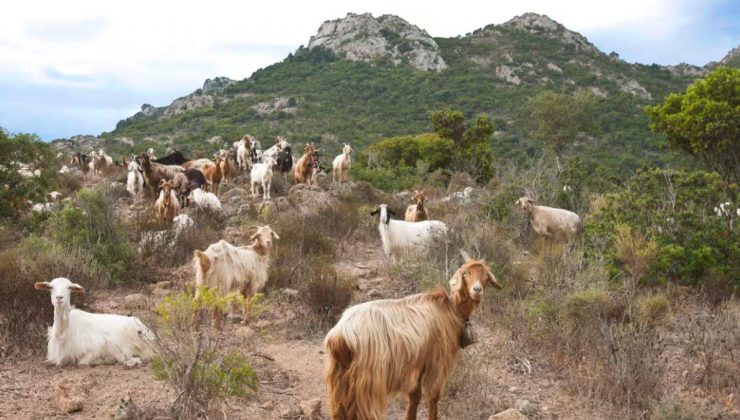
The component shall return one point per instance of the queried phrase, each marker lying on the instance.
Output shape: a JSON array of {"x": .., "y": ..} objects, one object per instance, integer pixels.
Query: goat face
[
  {"x": 525, "y": 204},
  {"x": 384, "y": 211},
  {"x": 265, "y": 234},
  {"x": 471, "y": 278},
  {"x": 419, "y": 197},
  {"x": 347, "y": 149},
  {"x": 60, "y": 290}
]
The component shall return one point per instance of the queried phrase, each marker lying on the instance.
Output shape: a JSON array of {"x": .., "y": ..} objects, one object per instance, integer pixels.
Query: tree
[
  {"x": 559, "y": 117},
  {"x": 472, "y": 151},
  {"x": 28, "y": 152},
  {"x": 705, "y": 121}
]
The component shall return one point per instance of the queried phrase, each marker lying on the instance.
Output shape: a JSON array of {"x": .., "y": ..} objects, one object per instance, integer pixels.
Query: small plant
[
  {"x": 187, "y": 357},
  {"x": 653, "y": 309}
]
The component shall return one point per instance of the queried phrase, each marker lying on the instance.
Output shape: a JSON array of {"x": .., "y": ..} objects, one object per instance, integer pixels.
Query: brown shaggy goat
[
  {"x": 417, "y": 212},
  {"x": 213, "y": 175},
  {"x": 384, "y": 348},
  {"x": 155, "y": 173},
  {"x": 167, "y": 205},
  {"x": 304, "y": 168}
]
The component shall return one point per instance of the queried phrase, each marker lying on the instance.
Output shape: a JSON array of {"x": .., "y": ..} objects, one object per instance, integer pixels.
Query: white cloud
[{"x": 158, "y": 50}]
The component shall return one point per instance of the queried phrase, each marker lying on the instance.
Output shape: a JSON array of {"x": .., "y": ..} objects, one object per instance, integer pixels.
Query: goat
[
  {"x": 417, "y": 212},
  {"x": 226, "y": 169},
  {"x": 155, "y": 173},
  {"x": 400, "y": 237},
  {"x": 98, "y": 162},
  {"x": 150, "y": 152},
  {"x": 167, "y": 205},
  {"x": 204, "y": 200},
  {"x": 244, "y": 153},
  {"x": 186, "y": 182},
  {"x": 550, "y": 222},
  {"x": 304, "y": 168},
  {"x": 284, "y": 161},
  {"x": 174, "y": 158},
  {"x": 79, "y": 160},
  {"x": 134, "y": 179},
  {"x": 341, "y": 164},
  {"x": 84, "y": 338},
  {"x": 54, "y": 196},
  {"x": 280, "y": 144},
  {"x": 383, "y": 348},
  {"x": 166, "y": 239},
  {"x": 235, "y": 269},
  {"x": 213, "y": 175},
  {"x": 262, "y": 173},
  {"x": 197, "y": 163}
]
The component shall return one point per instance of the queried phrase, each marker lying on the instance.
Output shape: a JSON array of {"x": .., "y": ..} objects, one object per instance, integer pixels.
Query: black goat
[{"x": 174, "y": 158}]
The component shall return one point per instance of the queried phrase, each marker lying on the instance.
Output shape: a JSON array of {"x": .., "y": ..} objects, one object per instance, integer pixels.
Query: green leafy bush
[
  {"x": 676, "y": 208},
  {"x": 91, "y": 224},
  {"x": 23, "y": 152}
]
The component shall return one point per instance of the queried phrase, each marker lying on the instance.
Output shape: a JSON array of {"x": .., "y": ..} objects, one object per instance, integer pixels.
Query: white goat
[
  {"x": 204, "y": 200},
  {"x": 229, "y": 268},
  {"x": 550, "y": 222},
  {"x": 182, "y": 223},
  {"x": 42, "y": 207},
  {"x": 135, "y": 180},
  {"x": 262, "y": 173},
  {"x": 84, "y": 338},
  {"x": 400, "y": 237},
  {"x": 244, "y": 152},
  {"x": 341, "y": 164},
  {"x": 54, "y": 196}
]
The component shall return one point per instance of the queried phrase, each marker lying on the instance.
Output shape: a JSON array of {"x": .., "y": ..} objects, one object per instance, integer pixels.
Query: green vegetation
[
  {"x": 705, "y": 121},
  {"x": 676, "y": 209},
  {"x": 361, "y": 103},
  {"x": 28, "y": 152},
  {"x": 91, "y": 224}
]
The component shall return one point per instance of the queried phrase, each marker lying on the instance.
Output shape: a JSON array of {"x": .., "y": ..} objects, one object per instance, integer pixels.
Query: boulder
[
  {"x": 510, "y": 414},
  {"x": 135, "y": 301},
  {"x": 311, "y": 409},
  {"x": 67, "y": 397}
]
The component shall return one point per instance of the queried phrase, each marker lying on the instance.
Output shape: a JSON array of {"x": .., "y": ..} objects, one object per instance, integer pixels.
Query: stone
[
  {"x": 373, "y": 293},
  {"x": 67, "y": 397},
  {"x": 165, "y": 284},
  {"x": 135, "y": 301},
  {"x": 291, "y": 293},
  {"x": 125, "y": 410},
  {"x": 525, "y": 406},
  {"x": 311, "y": 409},
  {"x": 510, "y": 414}
]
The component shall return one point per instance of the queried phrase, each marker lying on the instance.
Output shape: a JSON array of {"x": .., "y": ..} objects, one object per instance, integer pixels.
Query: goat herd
[{"x": 377, "y": 350}]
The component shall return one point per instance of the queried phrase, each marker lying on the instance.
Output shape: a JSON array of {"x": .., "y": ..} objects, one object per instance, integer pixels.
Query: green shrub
[
  {"x": 676, "y": 208},
  {"x": 188, "y": 358},
  {"x": 91, "y": 224},
  {"x": 652, "y": 309},
  {"x": 586, "y": 306}
]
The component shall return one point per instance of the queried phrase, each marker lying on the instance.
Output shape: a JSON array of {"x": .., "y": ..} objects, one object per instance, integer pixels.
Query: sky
[{"x": 78, "y": 67}]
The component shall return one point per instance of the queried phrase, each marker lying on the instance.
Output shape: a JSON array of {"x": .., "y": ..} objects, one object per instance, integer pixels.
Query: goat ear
[
  {"x": 42, "y": 285},
  {"x": 374, "y": 212},
  {"x": 161, "y": 183},
  {"x": 492, "y": 281},
  {"x": 203, "y": 260},
  {"x": 456, "y": 282},
  {"x": 76, "y": 288},
  {"x": 531, "y": 201},
  {"x": 391, "y": 212},
  {"x": 465, "y": 256},
  {"x": 275, "y": 235}
]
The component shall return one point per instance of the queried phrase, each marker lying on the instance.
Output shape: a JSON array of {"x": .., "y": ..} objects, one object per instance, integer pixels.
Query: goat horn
[{"x": 465, "y": 255}]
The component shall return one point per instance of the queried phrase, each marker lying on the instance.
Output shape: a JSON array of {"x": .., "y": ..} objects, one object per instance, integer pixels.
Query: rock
[
  {"x": 245, "y": 332},
  {"x": 291, "y": 293},
  {"x": 67, "y": 398},
  {"x": 373, "y": 293},
  {"x": 525, "y": 406},
  {"x": 362, "y": 286},
  {"x": 554, "y": 68},
  {"x": 217, "y": 83},
  {"x": 268, "y": 405},
  {"x": 310, "y": 200},
  {"x": 507, "y": 73},
  {"x": 217, "y": 140},
  {"x": 161, "y": 292},
  {"x": 510, "y": 414},
  {"x": 126, "y": 410},
  {"x": 366, "y": 38},
  {"x": 135, "y": 301},
  {"x": 543, "y": 25},
  {"x": 165, "y": 284},
  {"x": 311, "y": 409}
]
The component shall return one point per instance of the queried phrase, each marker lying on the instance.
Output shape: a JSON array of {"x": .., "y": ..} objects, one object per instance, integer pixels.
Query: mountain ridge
[{"x": 371, "y": 65}]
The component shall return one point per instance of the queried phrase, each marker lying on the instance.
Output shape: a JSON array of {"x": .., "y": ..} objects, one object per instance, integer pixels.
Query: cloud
[
  {"x": 82, "y": 31},
  {"x": 88, "y": 64}
]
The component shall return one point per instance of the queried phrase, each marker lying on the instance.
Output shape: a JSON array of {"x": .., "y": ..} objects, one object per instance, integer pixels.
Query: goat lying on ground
[
  {"x": 204, "y": 200},
  {"x": 401, "y": 237},
  {"x": 408, "y": 346},
  {"x": 80, "y": 337}
]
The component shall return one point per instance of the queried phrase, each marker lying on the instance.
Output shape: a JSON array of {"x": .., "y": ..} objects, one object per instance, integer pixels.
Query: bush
[
  {"x": 91, "y": 224},
  {"x": 653, "y": 309},
  {"x": 676, "y": 209},
  {"x": 25, "y": 312},
  {"x": 188, "y": 360}
]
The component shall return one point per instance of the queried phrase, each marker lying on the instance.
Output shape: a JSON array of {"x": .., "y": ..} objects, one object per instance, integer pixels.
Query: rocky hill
[{"x": 363, "y": 78}]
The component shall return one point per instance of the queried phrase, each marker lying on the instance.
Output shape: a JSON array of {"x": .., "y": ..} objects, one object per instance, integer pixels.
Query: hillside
[{"x": 363, "y": 78}]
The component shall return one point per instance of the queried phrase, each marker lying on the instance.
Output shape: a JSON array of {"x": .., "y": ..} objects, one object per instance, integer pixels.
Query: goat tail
[{"x": 351, "y": 396}]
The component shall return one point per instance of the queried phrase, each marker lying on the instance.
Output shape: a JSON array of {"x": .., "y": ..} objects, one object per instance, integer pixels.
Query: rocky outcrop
[
  {"x": 217, "y": 83},
  {"x": 543, "y": 25},
  {"x": 366, "y": 38}
]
